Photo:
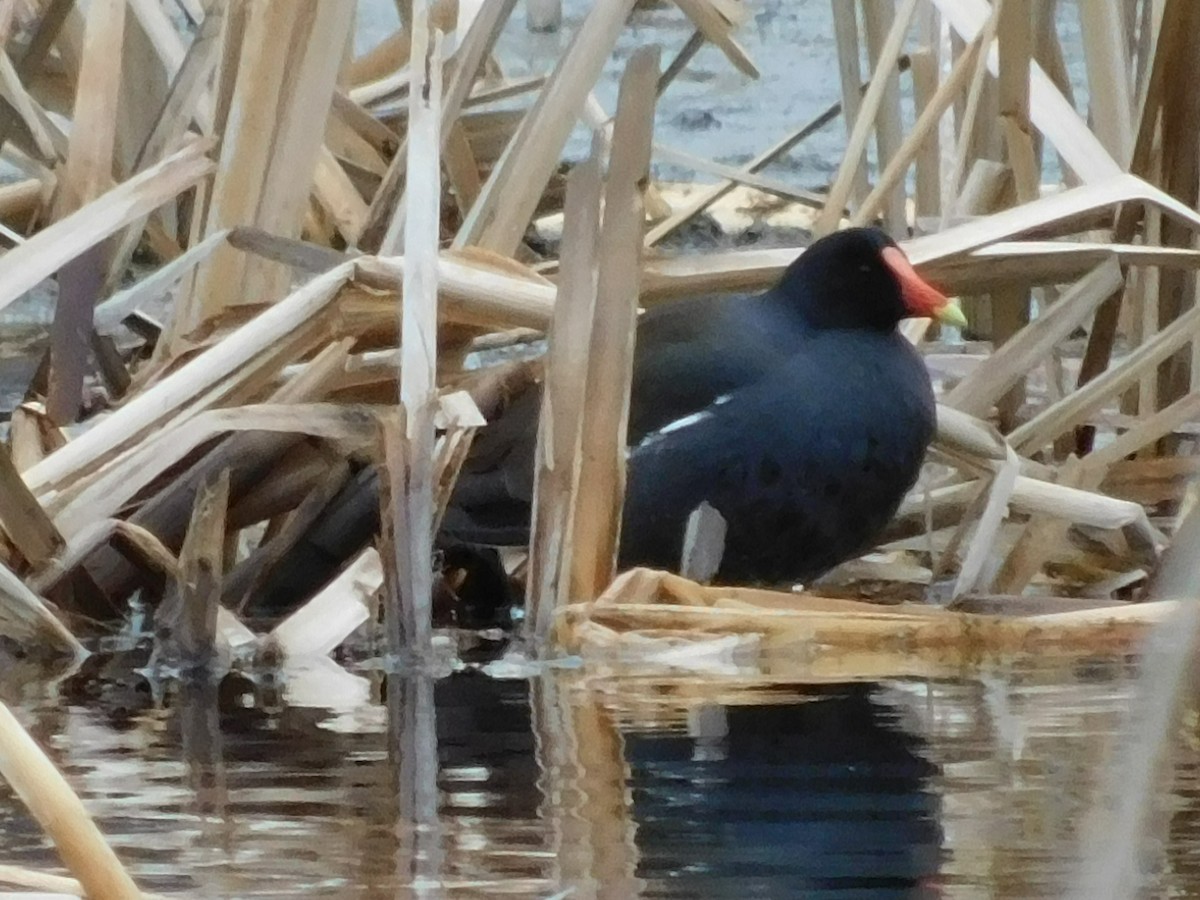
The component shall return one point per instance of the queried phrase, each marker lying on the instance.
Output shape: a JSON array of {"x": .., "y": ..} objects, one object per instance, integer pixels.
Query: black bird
[{"x": 801, "y": 414}]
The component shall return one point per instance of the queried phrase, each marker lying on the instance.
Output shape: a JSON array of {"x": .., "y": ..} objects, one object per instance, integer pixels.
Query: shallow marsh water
[{"x": 597, "y": 783}]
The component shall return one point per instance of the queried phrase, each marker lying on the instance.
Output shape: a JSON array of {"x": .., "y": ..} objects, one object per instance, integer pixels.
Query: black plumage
[{"x": 801, "y": 414}]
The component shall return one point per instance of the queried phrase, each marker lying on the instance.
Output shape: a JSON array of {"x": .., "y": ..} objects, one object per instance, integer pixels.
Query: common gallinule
[{"x": 801, "y": 414}]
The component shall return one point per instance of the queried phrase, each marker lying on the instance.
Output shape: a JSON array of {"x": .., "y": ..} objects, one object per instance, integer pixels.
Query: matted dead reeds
[{"x": 325, "y": 241}]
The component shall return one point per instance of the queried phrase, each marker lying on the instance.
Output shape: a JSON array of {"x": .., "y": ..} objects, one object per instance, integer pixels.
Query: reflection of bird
[
  {"x": 828, "y": 798},
  {"x": 801, "y": 415}
]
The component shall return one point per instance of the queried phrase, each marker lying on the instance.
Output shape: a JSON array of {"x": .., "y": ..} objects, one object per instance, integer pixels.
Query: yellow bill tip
[{"x": 952, "y": 314}]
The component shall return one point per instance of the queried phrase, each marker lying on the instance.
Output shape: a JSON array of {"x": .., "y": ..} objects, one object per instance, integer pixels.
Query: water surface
[{"x": 596, "y": 782}]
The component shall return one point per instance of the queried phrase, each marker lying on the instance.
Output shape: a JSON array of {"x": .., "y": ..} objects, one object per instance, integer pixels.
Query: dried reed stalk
[
  {"x": 499, "y": 217},
  {"x": 966, "y": 129},
  {"x": 322, "y": 623},
  {"x": 1170, "y": 42},
  {"x": 1015, "y": 29},
  {"x": 596, "y": 529},
  {"x": 473, "y": 292},
  {"x": 706, "y": 197},
  {"x": 59, "y": 811},
  {"x": 25, "y": 522},
  {"x": 718, "y": 31},
  {"x": 413, "y": 484},
  {"x": 879, "y": 19},
  {"x": 51, "y": 248},
  {"x": 41, "y": 881},
  {"x": 647, "y": 607},
  {"x": 557, "y": 455},
  {"x": 383, "y": 226},
  {"x": 923, "y": 130},
  {"x": 1049, "y": 110},
  {"x": 236, "y": 358},
  {"x": 1072, "y": 410},
  {"x": 190, "y": 614},
  {"x": 845, "y": 32},
  {"x": 27, "y": 619},
  {"x": 1104, "y": 52},
  {"x": 925, "y": 67},
  {"x": 889, "y": 51},
  {"x": 117, "y": 483},
  {"x": 87, "y": 172},
  {"x": 1040, "y": 536},
  {"x": 285, "y": 75},
  {"x": 1014, "y": 359}
]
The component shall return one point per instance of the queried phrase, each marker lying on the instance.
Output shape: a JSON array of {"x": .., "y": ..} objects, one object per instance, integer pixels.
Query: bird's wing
[
  {"x": 691, "y": 353},
  {"x": 800, "y": 460}
]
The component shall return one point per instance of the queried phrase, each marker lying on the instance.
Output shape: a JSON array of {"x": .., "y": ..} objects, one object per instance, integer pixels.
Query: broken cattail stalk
[
  {"x": 1015, "y": 29},
  {"x": 845, "y": 32},
  {"x": 149, "y": 551},
  {"x": 286, "y": 70},
  {"x": 188, "y": 619},
  {"x": 1107, "y": 62},
  {"x": 237, "y": 353},
  {"x": 1039, "y": 538},
  {"x": 596, "y": 529},
  {"x": 707, "y": 196},
  {"x": 51, "y": 248},
  {"x": 925, "y": 126},
  {"x": 24, "y": 617},
  {"x": 413, "y": 483},
  {"x": 1049, "y": 110},
  {"x": 385, "y": 217},
  {"x": 50, "y": 799},
  {"x": 326, "y": 620},
  {"x": 15, "y": 876},
  {"x": 979, "y": 563},
  {"x": 247, "y": 578},
  {"x": 86, "y": 175},
  {"x": 1009, "y": 363},
  {"x": 25, "y": 522},
  {"x": 556, "y": 466},
  {"x": 499, "y": 217},
  {"x": 879, "y": 21},
  {"x": 120, "y": 481},
  {"x": 460, "y": 419},
  {"x": 881, "y": 77}
]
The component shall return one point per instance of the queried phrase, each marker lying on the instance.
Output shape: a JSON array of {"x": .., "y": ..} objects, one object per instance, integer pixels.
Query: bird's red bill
[{"x": 921, "y": 299}]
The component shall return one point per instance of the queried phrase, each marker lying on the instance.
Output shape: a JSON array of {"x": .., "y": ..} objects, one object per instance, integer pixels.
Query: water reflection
[
  {"x": 825, "y": 798},
  {"x": 606, "y": 784}
]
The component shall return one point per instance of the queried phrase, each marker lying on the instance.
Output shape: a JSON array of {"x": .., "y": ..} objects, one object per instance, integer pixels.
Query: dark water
[{"x": 597, "y": 783}]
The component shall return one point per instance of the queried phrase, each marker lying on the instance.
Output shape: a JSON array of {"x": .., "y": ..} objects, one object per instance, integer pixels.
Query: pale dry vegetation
[{"x": 294, "y": 209}]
